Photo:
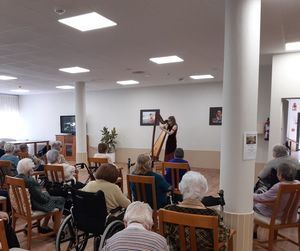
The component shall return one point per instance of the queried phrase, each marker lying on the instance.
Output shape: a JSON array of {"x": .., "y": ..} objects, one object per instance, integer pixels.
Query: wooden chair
[
  {"x": 95, "y": 163},
  {"x": 5, "y": 169},
  {"x": 192, "y": 222},
  {"x": 140, "y": 183},
  {"x": 3, "y": 238},
  {"x": 175, "y": 169},
  {"x": 54, "y": 173},
  {"x": 21, "y": 209},
  {"x": 288, "y": 195}
]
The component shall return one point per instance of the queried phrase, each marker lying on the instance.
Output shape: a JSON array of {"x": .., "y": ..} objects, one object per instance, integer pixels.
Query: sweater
[{"x": 113, "y": 195}]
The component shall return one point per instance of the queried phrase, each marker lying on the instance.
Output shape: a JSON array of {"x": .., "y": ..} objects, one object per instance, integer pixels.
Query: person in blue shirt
[
  {"x": 143, "y": 167},
  {"x": 179, "y": 155},
  {"x": 9, "y": 155}
]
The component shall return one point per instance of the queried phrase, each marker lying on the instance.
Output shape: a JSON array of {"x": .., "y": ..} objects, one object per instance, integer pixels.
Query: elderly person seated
[
  {"x": 143, "y": 167},
  {"x": 53, "y": 157},
  {"x": 40, "y": 201},
  {"x": 179, "y": 155},
  {"x": 57, "y": 145},
  {"x": 37, "y": 162},
  {"x": 106, "y": 177},
  {"x": 137, "y": 235},
  {"x": 193, "y": 187},
  {"x": 268, "y": 175},
  {"x": 102, "y": 152},
  {"x": 9, "y": 155},
  {"x": 286, "y": 173}
]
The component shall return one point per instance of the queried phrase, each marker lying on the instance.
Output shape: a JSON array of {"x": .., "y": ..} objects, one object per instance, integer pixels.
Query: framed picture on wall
[
  {"x": 215, "y": 116},
  {"x": 147, "y": 117}
]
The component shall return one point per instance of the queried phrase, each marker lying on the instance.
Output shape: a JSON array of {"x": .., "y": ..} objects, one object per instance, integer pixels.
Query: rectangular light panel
[
  {"x": 166, "y": 60},
  {"x": 88, "y": 21}
]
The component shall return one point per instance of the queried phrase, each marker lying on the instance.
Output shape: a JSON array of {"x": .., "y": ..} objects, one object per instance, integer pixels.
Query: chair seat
[
  {"x": 37, "y": 213},
  {"x": 3, "y": 198},
  {"x": 264, "y": 219},
  {"x": 17, "y": 249}
]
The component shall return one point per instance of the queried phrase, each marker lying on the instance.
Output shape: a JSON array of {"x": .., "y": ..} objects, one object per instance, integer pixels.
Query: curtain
[{"x": 10, "y": 122}]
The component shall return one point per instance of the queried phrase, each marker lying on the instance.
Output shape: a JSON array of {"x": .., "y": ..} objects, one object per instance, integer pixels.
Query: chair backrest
[
  {"x": 89, "y": 211},
  {"x": 289, "y": 196},
  {"x": 5, "y": 169},
  {"x": 96, "y": 162},
  {"x": 141, "y": 184},
  {"x": 3, "y": 239},
  {"x": 175, "y": 169},
  {"x": 19, "y": 196},
  {"x": 190, "y": 221},
  {"x": 54, "y": 173}
]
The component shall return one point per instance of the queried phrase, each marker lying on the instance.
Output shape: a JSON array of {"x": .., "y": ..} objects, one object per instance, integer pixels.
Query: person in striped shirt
[{"x": 137, "y": 235}]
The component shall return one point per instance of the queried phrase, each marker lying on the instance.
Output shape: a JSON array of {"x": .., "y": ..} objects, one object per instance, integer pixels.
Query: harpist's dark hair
[{"x": 173, "y": 120}]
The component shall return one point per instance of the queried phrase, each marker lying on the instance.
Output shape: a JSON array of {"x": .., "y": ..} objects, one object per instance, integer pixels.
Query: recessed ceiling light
[
  {"x": 75, "y": 69},
  {"x": 294, "y": 46},
  {"x": 5, "y": 77},
  {"x": 20, "y": 90},
  {"x": 166, "y": 60},
  {"x": 65, "y": 87},
  {"x": 128, "y": 82},
  {"x": 202, "y": 76},
  {"x": 88, "y": 21}
]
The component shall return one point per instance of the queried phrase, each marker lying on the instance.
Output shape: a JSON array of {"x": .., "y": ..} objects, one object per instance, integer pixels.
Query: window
[{"x": 10, "y": 121}]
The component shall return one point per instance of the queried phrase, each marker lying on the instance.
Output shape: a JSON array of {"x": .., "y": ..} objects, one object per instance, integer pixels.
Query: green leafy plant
[{"x": 109, "y": 138}]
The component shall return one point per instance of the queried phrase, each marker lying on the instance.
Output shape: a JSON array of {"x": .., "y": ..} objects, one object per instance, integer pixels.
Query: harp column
[
  {"x": 240, "y": 91},
  {"x": 80, "y": 111}
]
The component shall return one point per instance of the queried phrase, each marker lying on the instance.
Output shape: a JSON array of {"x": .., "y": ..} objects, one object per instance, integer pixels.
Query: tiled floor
[{"x": 212, "y": 175}]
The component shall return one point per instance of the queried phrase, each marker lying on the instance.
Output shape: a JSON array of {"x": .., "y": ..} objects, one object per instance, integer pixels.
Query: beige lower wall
[{"x": 196, "y": 158}]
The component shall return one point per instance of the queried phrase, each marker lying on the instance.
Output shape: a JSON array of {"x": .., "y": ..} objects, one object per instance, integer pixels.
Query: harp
[{"x": 158, "y": 143}]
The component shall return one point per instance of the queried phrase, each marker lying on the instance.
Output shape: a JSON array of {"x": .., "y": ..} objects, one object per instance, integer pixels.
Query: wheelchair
[{"x": 88, "y": 219}]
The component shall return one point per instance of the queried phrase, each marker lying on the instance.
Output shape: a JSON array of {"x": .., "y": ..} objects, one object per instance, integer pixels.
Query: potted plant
[{"x": 109, "y": 137}]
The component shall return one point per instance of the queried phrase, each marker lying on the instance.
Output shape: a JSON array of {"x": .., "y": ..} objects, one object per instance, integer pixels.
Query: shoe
[{"x": 44, "y": 230}]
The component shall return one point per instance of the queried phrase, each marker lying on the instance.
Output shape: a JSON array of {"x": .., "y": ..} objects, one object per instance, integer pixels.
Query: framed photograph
[
  {"x": 147, "y": 117},
  {"x": 215, "y": 116}
]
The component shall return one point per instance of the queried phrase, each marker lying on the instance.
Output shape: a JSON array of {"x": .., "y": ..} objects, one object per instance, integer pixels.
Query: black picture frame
[
  {"x": 147, "y": 117},
  {"x": 215, "y": 116}
]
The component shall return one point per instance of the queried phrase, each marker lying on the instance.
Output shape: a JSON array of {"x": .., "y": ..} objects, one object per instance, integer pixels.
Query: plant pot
[{"x": 112, "y": 156}]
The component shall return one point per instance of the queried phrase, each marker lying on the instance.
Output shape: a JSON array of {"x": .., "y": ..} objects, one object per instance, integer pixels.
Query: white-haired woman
[
  {"x": 193, "y": 187},
  {"x": 41, "y": 201},
  {"x": 9, "y": 155},
  {"x": 57, "y": 145},
  {"x": 137, "y": 235},
  {"x": 53, "y": 157}
]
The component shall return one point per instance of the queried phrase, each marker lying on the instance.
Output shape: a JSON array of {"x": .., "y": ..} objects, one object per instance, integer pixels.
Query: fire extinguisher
[{"x": 267, "y": 129}]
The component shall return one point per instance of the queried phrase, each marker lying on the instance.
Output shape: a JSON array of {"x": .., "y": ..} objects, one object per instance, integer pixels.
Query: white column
[
  {"x": 240, "y": 95},
  {"x": 80, "y": 111}
]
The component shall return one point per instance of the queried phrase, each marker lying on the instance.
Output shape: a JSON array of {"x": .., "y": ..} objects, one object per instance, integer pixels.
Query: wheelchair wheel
[
  {"x": 110, "y": 230},
  {"x": 66, "y": 238}
]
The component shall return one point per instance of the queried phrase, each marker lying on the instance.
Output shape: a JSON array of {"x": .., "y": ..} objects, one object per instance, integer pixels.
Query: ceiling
[{"x": 33, "y": 45}]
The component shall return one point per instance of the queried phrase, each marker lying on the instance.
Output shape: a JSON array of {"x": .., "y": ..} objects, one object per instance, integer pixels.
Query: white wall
[
  {"x": 285, "y": 84},
  {"x": 121, "y": 108}
]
